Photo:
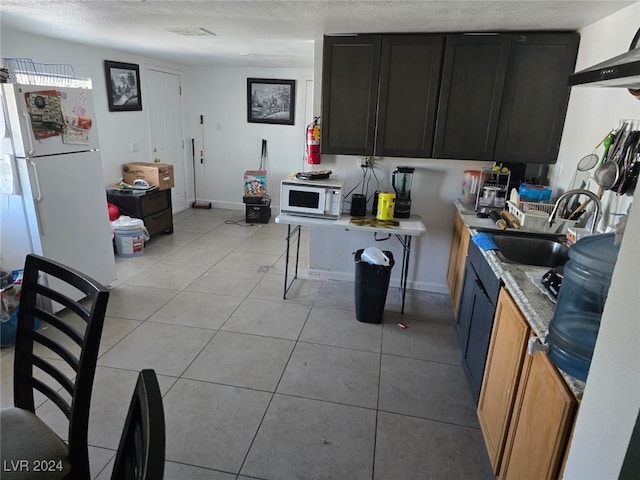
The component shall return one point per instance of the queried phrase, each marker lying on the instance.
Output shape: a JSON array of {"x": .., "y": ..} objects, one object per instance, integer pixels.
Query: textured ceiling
[{"x": 278, "y": 33}]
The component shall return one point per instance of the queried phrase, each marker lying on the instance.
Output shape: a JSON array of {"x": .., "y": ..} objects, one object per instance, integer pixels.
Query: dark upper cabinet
[
  {"x": 504, "y": 97},
  {"x": 408, "y": 96},
  {"x": 500, "y": 97},
  {"x": 380, "y": 94},
  {"x": 350, "y": 70},
  {"x": 473, "y": 76},
  {"x": 536, "y": 94}
]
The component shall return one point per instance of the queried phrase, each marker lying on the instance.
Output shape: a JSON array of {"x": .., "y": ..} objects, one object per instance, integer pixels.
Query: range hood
[{"x": 622, "y": 71}]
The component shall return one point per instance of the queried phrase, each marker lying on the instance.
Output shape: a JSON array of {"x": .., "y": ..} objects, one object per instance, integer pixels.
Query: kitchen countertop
[{"x": 535, "y": 305}]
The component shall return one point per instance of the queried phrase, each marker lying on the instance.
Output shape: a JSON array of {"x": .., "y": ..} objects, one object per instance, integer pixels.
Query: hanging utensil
[
  {"x": 627, "y": 163},
  {"x": 606, "y": 176},
  {"x": 588, "y": 162},
  {"x": 608, "y": 140}
]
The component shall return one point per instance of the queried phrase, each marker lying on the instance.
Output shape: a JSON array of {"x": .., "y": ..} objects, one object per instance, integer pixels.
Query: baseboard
[
  {"x": 228, "y": 205},
  {"x": 318, "y": 274}
]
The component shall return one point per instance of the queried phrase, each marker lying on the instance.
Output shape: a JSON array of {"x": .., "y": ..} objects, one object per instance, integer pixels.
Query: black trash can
[{"x": 372, "y": 283}]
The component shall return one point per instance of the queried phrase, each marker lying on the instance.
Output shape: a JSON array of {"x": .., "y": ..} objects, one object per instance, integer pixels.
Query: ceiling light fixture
[{"x": 190, "y": 31}]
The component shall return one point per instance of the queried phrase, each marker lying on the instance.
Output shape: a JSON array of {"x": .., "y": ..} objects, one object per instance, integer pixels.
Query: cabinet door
[
  {"x": 473, "y": 78},
  {"x": 541, "y": 423},
  {"x": 475, "y": 356},
  {"x": 350, "y": 70},
  {"x": 506, "y": 355},
  {"x": 536, "y": 95},
  {"x": 409, "y": 83},
  {"x": 467, "y": 299},
  {"x": 457, "y": 258}
]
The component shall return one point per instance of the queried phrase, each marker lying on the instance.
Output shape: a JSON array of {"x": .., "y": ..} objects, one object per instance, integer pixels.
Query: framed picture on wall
[
  {"x": 271, "y": 101},
  {"x": 123, "y": 86}
]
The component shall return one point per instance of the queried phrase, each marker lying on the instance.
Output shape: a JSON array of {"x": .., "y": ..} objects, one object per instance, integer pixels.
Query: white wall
[
  {"x": 231, "y": 144},
  {"x": 436, "y": 184},
  {"x": 611, "y": 399},
  {"x": 116, "y": 130}
]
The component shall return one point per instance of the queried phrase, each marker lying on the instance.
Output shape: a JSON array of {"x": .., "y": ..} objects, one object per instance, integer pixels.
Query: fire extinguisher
[{"x": 313, "y": 142}]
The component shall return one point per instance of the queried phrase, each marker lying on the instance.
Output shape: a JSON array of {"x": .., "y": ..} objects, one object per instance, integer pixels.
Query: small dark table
[{"x": 154, "y": 208}]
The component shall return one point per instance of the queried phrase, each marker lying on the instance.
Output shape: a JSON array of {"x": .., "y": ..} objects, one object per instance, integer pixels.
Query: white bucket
[
  {"x": 129, "y": 243},
  {"x": 130, "y": 235}
]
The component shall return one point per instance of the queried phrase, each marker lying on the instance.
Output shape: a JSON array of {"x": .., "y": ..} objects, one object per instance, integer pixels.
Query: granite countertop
[{"x": 536, "y": 306}]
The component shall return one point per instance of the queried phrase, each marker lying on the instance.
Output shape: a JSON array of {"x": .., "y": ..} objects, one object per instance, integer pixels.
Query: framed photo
[
  {"x": 271, "y": 101},
  {"x": 123, "y": 86}
]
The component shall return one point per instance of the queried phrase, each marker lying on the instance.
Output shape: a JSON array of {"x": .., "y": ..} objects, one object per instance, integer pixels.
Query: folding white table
[{"x": 404, "y": 232}]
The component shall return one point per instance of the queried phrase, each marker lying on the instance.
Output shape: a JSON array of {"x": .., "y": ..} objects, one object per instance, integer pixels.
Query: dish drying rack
[
  {"x": 534, "y": 216},
  {"x": 492, "y": 191},
  {"x": 28, "y": 72}
]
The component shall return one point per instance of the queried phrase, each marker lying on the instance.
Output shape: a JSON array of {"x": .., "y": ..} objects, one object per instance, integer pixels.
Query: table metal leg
[
  {"x": 404, "y": 273},
  {"x": 290, "y": 233}
]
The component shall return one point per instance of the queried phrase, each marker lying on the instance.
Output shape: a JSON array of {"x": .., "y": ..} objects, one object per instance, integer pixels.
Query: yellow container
[{"x": 386, "y": 206}]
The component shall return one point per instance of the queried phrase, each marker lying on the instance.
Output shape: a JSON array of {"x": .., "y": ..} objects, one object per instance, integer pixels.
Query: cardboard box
[
  {"x": 159, "y": 174},
  {"x": 255, "y": 183}
]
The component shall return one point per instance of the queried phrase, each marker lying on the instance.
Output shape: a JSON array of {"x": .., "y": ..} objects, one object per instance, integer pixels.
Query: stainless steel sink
[{"x": 540, "y": 251}]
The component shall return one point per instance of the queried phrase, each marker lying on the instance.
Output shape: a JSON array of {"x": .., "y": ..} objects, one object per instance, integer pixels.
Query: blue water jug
[{"x": 576, "y": 320}]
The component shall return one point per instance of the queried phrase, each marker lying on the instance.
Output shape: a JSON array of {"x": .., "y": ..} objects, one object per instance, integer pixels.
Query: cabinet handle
[{"x": 534, "y": 346}]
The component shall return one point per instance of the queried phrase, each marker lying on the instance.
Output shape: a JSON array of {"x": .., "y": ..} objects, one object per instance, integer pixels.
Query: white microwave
[{"x": 311, "y": 198}]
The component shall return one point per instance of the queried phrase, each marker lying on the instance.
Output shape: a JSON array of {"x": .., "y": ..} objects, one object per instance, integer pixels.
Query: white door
[{"x": 165, "y": 119}]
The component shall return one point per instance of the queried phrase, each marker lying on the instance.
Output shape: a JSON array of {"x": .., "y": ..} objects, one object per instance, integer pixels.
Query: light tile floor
[{"x": 255, "y": 386}]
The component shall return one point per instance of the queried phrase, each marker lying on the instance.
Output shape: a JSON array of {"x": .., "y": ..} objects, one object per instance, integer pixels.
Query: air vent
[{"x": 190, "y": 31}]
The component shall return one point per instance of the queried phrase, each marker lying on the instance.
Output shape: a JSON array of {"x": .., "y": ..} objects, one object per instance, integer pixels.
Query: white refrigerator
[{"x": 52, "y": 192}]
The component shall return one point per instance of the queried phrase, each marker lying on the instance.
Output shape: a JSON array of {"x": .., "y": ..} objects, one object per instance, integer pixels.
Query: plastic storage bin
[
  {"x": 371, "y": 285},
  {"x": 576, "y": 320},
  {"x": 258, "y": 212}
]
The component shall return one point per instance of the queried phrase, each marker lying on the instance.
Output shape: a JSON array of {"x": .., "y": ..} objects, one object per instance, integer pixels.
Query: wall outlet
[{"x": 365, "y": 162}]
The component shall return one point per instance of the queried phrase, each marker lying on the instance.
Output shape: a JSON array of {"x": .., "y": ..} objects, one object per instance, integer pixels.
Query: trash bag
[
  {"x": 375, "y": 256},
  {"x": 371, "y": 285}
]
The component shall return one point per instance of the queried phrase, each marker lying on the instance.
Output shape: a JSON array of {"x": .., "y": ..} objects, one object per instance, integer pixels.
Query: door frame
[{"x": 178, "y": 73}]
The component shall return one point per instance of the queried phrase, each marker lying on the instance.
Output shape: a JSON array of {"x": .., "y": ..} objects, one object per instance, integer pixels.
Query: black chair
[
  {"x": 27, "y": 442},
  {"x": 141, "y": 451}
]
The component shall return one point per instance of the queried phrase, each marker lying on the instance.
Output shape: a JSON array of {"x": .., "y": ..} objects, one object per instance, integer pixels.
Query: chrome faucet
[{"x": 571, "y": 193}]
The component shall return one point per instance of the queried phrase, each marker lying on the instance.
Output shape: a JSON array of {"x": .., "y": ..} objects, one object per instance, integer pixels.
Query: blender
[{"x": 401, "y": 180}]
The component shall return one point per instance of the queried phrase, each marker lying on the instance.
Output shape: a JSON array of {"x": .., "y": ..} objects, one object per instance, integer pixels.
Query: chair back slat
[
  {"x": 92, "y": 311},
  {"x": 54, "y": 373},
  {"x": 60, "y": 350},
  {"x": 68, "y": 330},
  {"x": 54, "y": 396}
]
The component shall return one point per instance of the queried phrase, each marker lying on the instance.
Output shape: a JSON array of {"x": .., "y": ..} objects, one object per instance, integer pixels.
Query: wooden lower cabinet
[
  {"x": 457, "y": 258},
  {"x": 526, "y": 410},
  {"x": 507, "y": 350},
  {"x": 541, "y": 424}
]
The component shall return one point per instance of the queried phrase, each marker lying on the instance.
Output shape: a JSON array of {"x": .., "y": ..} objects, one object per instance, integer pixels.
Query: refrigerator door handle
[
  {"x": 38, "y": 198},
  {"x": 30, "y": 133},
  {"x": 37, "y": 180}
]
